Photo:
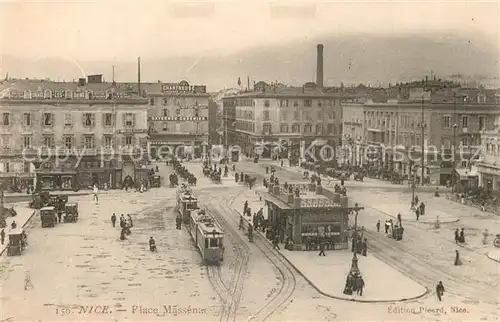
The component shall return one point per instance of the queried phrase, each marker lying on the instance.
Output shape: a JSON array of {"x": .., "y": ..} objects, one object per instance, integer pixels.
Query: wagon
[
  {"x": 71, "y": 212},
  {"x": 17, "y": 242},
  {"x": 48, "y": 217}
]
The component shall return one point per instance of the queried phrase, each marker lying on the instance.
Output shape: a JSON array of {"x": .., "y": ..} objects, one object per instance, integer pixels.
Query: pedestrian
[
  {"x": 342, "y": 182},
  {"x": 321, "y": 248},
  {"x": 96, "y": 191},
  {"x": 378, "y": 226},
  {"x": 240, "y": 227},
  {"x": 462, "y": 236},
  {"x": 13, "y": 225},
  {"x": 417, "y": 212},
  {"x": 360, "y": 285},
  {"x": 457, "y": 236},
  {"x": 422, "y": 209},
  {"x": 113, "y": 219},
  {"x": 364, "y": 247},
  {"x": 152, "y": 244},
  {"x": 436, "y": 193},
  {"x": 276, "y": 241},
  {"x": 386, "y": 227},
  {"x": 27, "y": 281},
  {"x": 59, "y": 216},
  {"x": 282, "y": 163},
  {"x": 2, "y": 236},
  {"x": 178, "y": 222},
  {"x": 485, "y": 236},
  {"x": 440, "y": 290},
  {"x": 416, "y": 200},
  {"x": 458, "y": 262},
  {"x": 131, "y": 223},
  {"x": 399, "y": 219}
]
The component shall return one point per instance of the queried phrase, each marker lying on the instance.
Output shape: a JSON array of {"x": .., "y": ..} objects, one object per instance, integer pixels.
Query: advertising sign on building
[
  {"x": 183, "y": 87},
  {"x": 100, "y": 95},
  {"x": 179, "y": 118},
  {"x": 59, "y": 94},
  {"x": 16, "y": 95}
]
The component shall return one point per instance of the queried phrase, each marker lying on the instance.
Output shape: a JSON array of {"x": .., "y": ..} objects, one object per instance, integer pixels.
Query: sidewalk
[
  {"x": 494, "y": 255},
  {"x": 336, "y": 264},
  {"x": 24, "y": 214},
  {"x": 430, "y": 217}
]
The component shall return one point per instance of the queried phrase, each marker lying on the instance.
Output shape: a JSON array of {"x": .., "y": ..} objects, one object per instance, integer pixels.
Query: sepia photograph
[{"x": 244, "y": 160}]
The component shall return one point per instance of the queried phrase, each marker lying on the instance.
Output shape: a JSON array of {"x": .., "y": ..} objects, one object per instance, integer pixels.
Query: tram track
[
  {"x": 230, "y": 294},
  {"x": 287, "y": 276}
]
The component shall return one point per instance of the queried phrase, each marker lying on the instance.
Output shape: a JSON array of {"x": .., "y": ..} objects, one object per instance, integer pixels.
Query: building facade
[
  {"x": 436, "y": 123},
  {"x": 273, "y": 120},
  {"x": 68, "y": 136},
  {"x": 353, "y": 132},
  {"x": 177, "y": 118},
  {"x": 489, "y": 166}
]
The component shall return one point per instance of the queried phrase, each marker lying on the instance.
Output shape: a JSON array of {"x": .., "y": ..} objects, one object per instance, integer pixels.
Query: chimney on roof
[{"x": 319, "y": 66}]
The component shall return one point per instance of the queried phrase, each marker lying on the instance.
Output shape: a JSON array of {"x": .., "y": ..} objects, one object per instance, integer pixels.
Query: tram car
[
  {"x": 186, "y": 202},
  {"x": 207, "y": 235}
]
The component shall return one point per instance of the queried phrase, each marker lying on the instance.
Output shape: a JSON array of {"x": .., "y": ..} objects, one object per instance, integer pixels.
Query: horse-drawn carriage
[
  {"x": 358, "y": 176},
  {"x": 17, "y": 242},
  {"x": 39, "y": 199},
  {"x": 71, "y": 212},
  {"x": 215, "y": 176},
  {"x": 48, "y": 216},
  {"x": 155, "y": 181}
]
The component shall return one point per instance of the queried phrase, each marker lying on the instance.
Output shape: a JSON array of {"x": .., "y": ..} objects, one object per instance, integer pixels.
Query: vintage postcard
[{"x": 249, "y": 160}]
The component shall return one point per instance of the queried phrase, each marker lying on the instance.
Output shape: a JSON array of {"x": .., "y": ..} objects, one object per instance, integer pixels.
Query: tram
[
  {"x": 207, "y": 235},
  {"x": 186, "y": 202}
]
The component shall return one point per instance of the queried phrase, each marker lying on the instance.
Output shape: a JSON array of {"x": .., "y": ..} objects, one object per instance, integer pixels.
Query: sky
[{"x": 124, "y": 30}]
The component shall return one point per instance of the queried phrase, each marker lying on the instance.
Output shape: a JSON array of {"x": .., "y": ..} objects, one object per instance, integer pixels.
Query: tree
[{"x": 3, "y": 187}]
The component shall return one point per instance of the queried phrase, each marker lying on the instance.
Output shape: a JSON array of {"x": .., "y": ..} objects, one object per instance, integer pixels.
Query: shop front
[
  {"x": 53, "y": 180},
  {"x": 489, "y": 177}
]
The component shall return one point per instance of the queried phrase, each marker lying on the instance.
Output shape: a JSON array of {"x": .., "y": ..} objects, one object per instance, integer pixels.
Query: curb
[
  {"x": 412, "y": 221},
  {"x": 493, "y": 259},
  {"x": 25, "y": 224},
  {"x": 327, "y": 294}
]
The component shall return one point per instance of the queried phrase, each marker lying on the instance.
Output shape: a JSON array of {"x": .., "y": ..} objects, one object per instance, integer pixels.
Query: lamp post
[
  {"x": 354, "y": 263},
  {"x": 412, "y": 172}
]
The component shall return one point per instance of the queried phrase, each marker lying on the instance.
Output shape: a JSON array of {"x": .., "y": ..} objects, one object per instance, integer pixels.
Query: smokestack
[
  {"x": 319, "y": 66},
  {"x": 139, "y": 75}
]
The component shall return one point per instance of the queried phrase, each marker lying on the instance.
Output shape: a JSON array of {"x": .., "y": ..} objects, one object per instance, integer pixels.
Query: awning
[
  {"x": 275, "y": 200},
  {"x": 466, "y": 174}
]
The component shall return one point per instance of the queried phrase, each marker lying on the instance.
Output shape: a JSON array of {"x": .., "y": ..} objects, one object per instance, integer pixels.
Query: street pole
[
  {"x": 422, "y": 142},
  {"x": 453, "y": 180}
]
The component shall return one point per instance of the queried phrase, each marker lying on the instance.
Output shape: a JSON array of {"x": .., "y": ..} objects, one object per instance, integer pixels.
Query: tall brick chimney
[{"x": 319, "y": 66}]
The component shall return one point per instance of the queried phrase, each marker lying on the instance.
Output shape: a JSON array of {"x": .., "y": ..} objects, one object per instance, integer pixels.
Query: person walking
[
  {"x": 113, "y": 219},
  {"x": 276, "y": 241},
  {"x": 95, "y": 193},
  {"x": 458, "y": 262},
  {"x": 13, "y": 225},
  {"x": 152, "y": 244},
  {"x": 417, "y": 213},
  {"x": 2, "y": 236},
  {"x": 321, "y": 248},
  {"x": 378, "y": 226},
  {"x": 440, "y": 290},
  {"x": 27, "y": 281},
  {"x": 457, "y": 236},
  {"x": 360, "y": 285},
  {"x": 387, "y": 227}
]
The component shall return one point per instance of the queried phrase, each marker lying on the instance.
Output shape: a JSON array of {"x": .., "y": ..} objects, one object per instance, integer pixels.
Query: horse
[{"x": 8, "y": 212}]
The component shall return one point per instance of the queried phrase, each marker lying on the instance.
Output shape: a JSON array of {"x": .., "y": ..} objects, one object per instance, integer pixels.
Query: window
[
  {"x": 319, "y": 128},
  {"x": 108, "y": 119},
  {"x": 307, "y": 116},
  {"x": 165, "y": 101},
  {"x": 330, "y": 102},
  {"x": 266, "y": 103},
  {"x": 295, "y": 103},
  {"x": 481, "y": 123},
  {"x": 5, "y": 119},
  {"x": 27, "y": 141},
  {"x": 108, "y": 141},
  {"x": 331, "y": 128},
  {"x": 177, "y": 127},
  {"x": 214, "y": 242},
  {"x": 27, "y": 119},
  {"x": 465, "y": 121},
  {"x": 89, "y": 142},
  {"x": 447, "y": 121},
  {"x": 465, "y": 142},
  {"x": 165, "y": 112},
  {"x": 284, "y": 128},
  {"x": 68, "y": 141},
  {"x": 296, "y": 115},
  {"x": 88, "y": 119},
  {"x": 295, "y": 128},
  {"x": 7, "y": 167},
  {"x": 68, "y": 119},
  {"x": 283, "y": 115},
  {"x": 307, "y": 103},
  {"x": 47, "y": 119},
  {"x": 320, "y": 103},
  {"x": 48, "y": 141},
  {"x": 26, "y": 167},
  {"x": 129, "y": 119},
  {"x": 321, "y": 115},
  {"x": 151, "y": 101},
  {"x": 307, "y": 128},
  {"x": 266, "y": 127},
  {"x": 128, "y": 140},
  {"x": 165, "y": 126},
  {"x": 265, "y": 116},
  {"x": 331, "y": 115},
  {"x": 284, "y": 103}
]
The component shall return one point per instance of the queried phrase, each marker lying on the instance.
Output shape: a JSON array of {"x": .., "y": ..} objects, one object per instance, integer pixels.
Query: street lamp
[
  {"x": 354, "y": 264},
  {"x": 412, "y": 171}
]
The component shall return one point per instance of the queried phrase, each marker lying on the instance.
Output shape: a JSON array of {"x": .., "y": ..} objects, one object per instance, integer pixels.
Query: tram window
[
  {"x": 213, "y": 242},
  {"x": 206, "y": 243}
]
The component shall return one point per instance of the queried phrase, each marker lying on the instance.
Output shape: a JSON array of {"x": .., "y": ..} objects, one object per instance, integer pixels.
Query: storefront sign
[
  {"x": 132, "y": 131},
  {"x": 183, "y": 87},
  {"x": 38, "y": 95},
  {"x": 59, "y": 94},
  {"x": 16, "y": 95},
  {"x": 78, "y": 95},
  {"x": 99, "y": 96},
  {"x": 321, "y": 217},
  {"x": 178, "y": 118}
]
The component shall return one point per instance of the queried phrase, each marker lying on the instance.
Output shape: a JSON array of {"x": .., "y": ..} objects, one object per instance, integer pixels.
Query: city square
[{"x": 320, "y": 170}]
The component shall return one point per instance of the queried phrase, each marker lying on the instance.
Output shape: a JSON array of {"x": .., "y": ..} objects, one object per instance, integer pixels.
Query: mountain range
[{"x": 350, "y": 59}]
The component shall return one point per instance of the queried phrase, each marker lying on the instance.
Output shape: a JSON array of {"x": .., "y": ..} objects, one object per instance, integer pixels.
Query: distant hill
[{"x": 349, "y": 59}]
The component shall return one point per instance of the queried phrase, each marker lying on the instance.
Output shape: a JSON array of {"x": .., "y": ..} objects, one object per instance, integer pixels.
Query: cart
[
  {"x": 71, "y": 212},
  {"x": 17, "y": 242},
  {"x": 48, "y": 216},
  {"x": 39, "y": 200},
  {"x": 156, "y": 181}
]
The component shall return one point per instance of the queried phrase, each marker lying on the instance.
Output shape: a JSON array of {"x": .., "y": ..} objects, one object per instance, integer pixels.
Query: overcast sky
[{"x": 123, "y": 30}]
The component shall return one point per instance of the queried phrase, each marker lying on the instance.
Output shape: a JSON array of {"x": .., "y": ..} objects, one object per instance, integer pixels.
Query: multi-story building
[
  {"x": 177, "y": 118},
  {"x": 439, "y": 122},
  {"x": 353, "y": 131},
  {"x": 272, "y": 120},
  {"x": 71, "y": 135},
  {"x": 489, "y": 167}
]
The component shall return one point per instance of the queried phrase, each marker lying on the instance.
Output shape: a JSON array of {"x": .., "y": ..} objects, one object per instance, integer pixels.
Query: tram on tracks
[
  {"x": 186, "y": 202},
  {"x": 207, "y": 235}
]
